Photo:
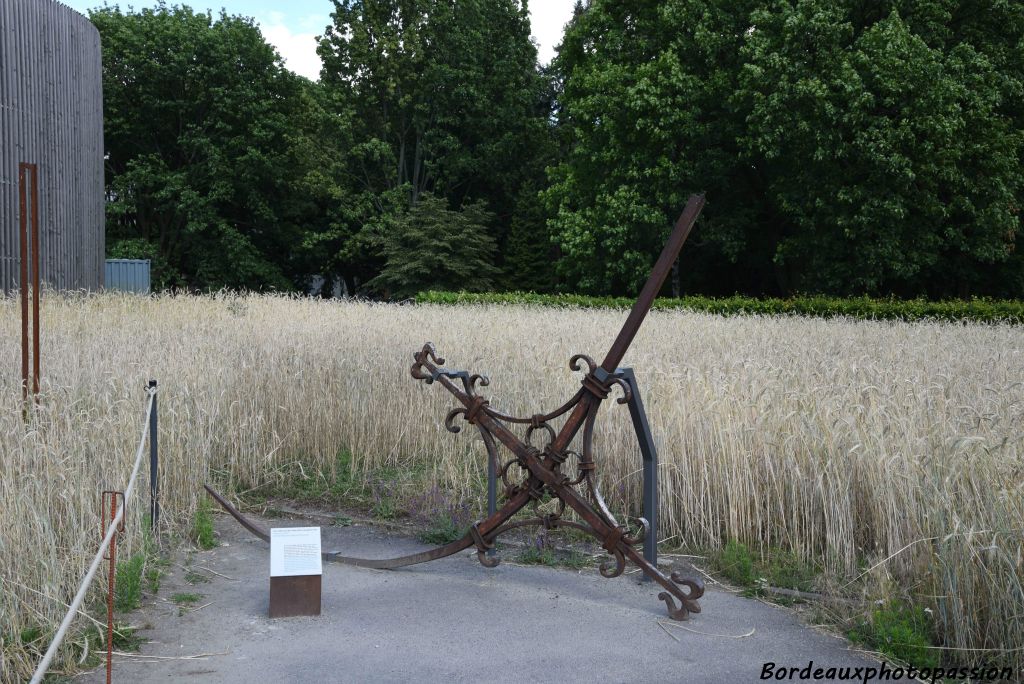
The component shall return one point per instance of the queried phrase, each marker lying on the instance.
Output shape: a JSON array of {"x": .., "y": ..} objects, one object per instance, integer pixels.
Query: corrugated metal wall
[
  {"x": 129, "y": 275},
  {"x": 51, "y": 114}
]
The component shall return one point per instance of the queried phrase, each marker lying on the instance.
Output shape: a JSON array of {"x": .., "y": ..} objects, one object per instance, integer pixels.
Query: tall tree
[
  {"x": 854, "y": 147},
  {"x": 203, "y": 132},
  {"x": 444, "y": 98}
]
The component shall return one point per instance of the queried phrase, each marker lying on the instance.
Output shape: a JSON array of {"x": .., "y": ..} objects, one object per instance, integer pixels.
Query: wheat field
[{"x": 889, "y": 455}]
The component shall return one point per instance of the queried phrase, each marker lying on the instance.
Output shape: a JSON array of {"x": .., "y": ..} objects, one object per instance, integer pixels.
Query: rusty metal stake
[
  {"x": 27, "y": 208},
  {"x": 112, "y": 496}
]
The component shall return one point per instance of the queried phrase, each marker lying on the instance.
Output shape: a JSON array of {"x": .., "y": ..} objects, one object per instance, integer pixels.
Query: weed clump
[
  {"x": 128, "y": 584},
  {"x": 900, "y": 631},
  {"x": 202, "y": 526},
  {"x": 441, "y": 518}
]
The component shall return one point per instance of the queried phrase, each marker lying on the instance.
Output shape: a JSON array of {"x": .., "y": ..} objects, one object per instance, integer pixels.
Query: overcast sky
[{"x": 292, "y": 26}]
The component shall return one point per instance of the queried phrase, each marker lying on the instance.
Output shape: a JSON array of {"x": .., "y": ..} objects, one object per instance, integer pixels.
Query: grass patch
[
  {"x": 385, "y": 507},
  {"x": 153, "y": 577},
  {"x": 202, "y": 525},
  {"x": 378, "y": 494},
  {"x": 772, "y": 568},
  {"x": 193, "y": 577},
  {"x": 441, "y": 516},
  {"x": 126, "y": 638},
  {"x": 736, "y": 564},
  {"x": 442, "y": 530},
  {"x": 900, "y": 631},
  {"x": 89, "y": 650},
  {"x": 543, "y": 552},
  {"x": 337, "y": 488},
  {"x": 185, "y": 600},
  {"x": 128, "y": 583}
]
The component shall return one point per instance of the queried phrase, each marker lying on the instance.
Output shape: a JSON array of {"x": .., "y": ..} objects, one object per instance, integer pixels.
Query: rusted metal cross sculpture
[{"x": 542, "y": 469}]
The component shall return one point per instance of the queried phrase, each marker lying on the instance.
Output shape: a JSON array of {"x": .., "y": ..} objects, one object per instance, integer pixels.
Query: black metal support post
[
  {"x": 650, "y": 456},
  {"x": 492, "y": 493},
  {"x": 154, "y": 470}
]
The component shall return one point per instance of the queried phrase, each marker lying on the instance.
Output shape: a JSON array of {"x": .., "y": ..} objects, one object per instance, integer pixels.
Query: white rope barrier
[{"x": 44, "y": 664}]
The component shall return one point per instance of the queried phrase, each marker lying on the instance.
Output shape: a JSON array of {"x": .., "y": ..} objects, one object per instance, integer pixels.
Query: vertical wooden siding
[{"x": 51, "y": 114}]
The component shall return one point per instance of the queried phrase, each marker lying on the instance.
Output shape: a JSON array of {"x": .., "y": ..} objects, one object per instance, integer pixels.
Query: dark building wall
[{"x": 51, "y": 114}]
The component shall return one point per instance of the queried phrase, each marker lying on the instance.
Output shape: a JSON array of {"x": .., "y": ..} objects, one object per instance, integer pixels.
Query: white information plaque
[{"x": 295, "y": 551}]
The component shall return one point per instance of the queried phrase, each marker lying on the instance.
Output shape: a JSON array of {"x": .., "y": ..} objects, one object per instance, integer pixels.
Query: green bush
[{"x": 973, "y": 310}]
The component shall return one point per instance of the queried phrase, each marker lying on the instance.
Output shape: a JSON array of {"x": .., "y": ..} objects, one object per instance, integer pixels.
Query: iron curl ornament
[{"x": 536, "y": 472}]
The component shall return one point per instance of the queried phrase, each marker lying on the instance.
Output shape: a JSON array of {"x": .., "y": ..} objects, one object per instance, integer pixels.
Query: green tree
[
  {"x": 443, "y": 98},
  {"x": 888, "y": 142},
  {"x": 431, "y": 247},
  {"x": 855, "y": 147},
  {"x": 203, "y": 132}
]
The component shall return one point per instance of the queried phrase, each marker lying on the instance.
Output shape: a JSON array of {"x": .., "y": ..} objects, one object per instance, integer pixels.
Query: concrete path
[{"x": 452, "y": 621}]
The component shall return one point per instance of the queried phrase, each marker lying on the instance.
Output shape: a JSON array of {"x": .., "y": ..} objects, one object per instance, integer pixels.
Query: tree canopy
[
  {"x": 200, "y": 130},
  {"x": 845, "y": 148},
  {"x": 863, "y": 147}
]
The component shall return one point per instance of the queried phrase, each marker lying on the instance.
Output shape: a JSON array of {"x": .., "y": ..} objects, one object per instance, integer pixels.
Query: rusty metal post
[
  {"x": 112, "y": 571},
  {"x": 28, "y": 205},
  {"x": 23, "y": 282}
]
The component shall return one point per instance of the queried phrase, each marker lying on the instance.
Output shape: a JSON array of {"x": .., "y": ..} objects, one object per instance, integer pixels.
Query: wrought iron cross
[{"x": 542, "y": 471}]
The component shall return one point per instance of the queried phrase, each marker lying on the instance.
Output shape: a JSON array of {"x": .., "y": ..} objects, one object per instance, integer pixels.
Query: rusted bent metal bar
[{"x": 540, "y": 470}]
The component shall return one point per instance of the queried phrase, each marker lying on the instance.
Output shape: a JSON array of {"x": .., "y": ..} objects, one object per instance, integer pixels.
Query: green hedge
[{"x": 974, "y": 310}]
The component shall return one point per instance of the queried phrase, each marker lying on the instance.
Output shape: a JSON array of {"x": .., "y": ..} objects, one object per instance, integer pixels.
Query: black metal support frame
[{"x": 154, "y": 463}]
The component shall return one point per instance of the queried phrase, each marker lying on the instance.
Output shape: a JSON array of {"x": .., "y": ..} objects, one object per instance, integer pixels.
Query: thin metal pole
[
  {"x": 23, "y": 285},
  {"x": 154, "y": 469},
  {"x": 492, "y": 493},
  {"x": 35, "y": 282},
  {"x": 650, "y": 455},
  {"x": 111, "y": 574}
]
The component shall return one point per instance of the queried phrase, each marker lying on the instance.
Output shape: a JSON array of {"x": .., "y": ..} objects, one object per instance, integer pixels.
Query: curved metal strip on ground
[{"x": 379, "y": 564}]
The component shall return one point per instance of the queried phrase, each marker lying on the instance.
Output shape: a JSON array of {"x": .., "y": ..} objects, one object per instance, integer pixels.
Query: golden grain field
[{"x": 892, "y": 446}]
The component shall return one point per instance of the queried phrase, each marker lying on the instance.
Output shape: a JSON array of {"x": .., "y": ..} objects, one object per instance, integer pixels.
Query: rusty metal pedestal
[{"x": 296, "y": 595}]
